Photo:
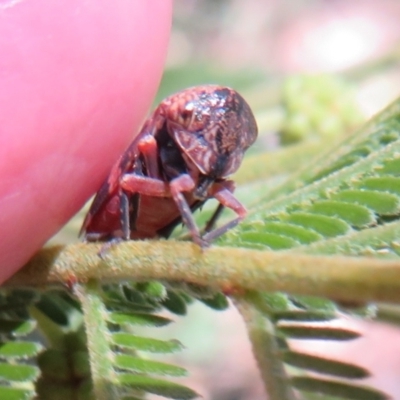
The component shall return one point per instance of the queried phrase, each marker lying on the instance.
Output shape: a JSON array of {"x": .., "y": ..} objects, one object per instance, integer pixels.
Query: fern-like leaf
[
  {"x": 351, "y": 189},
  {"x": 346, "y": 202},
  {"x": 18, "y": 373},
  {"x": 126, "y": 374}
]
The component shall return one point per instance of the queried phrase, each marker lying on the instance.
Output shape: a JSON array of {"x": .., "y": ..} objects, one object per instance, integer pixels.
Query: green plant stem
[
  {"x": 329, "y": 151},
  {"x": 265, "y": 349},
  {"x": 285, "y": 160},
  {"x": 339, "y": 278},
  {"x": 100, "y": 354},
  {"x": 308, "y": 192}
]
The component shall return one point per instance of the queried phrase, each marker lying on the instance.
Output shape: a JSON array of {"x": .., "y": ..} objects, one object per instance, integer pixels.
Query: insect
[{"x": 181, "y": 158}]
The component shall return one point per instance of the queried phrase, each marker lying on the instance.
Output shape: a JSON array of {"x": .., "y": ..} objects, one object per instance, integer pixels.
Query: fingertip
[{"x": 77, "y": 85}]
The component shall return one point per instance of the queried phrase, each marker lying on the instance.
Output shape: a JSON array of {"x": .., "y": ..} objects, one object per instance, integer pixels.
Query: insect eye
[{"x": 186, "y": 115}]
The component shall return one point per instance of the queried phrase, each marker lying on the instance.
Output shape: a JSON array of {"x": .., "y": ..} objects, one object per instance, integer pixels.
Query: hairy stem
[
  {"x": 100, "y": 354},
  {"x": 340, "y": 278},
  {"x": 265, "y": 349}
]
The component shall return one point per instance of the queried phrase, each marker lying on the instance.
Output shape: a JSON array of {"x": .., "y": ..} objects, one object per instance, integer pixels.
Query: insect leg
[
  {"x": 213, "y": 220},
  {"x": 129, "y": 197},
  {"x": 135, "y": 198},
  {"x": 184, "y": 183},
  {"x": 167, "y": 230},
  {"x": 144, "y": 185},
  {"x": 135, "y": 201},
  {"x": 155, "y": 187},
  {"x": 149, "y": 150},
  {"x": 218, "y": 186},
  {"x": 129, "y": 205},
  {"x": 124, "y": 208},
  {"x": 225, "y": 196}
]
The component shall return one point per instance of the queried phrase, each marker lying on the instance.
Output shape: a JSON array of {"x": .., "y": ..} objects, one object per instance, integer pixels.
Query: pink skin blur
[{"x": 77, "y": 79}]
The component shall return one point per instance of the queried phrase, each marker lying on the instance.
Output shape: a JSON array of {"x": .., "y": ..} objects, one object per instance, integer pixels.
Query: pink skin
[{"x": 77, "y": 79}]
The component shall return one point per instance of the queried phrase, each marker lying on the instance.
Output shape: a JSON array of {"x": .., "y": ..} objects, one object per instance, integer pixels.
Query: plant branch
[
  {"x": 265, "y": 348},
  {"x": 339, "y": 278},
  {"x": 98, "y": 346},
  {"x": 267, "y": 165}
]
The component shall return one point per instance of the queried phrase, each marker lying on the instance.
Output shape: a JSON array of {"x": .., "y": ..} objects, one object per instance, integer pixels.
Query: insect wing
[
  {"x": 109, "y": 188},
  {"x": 100, "y": 200}
]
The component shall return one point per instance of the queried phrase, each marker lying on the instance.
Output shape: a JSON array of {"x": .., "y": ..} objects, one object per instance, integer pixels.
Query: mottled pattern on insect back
[{"x": 181, "y": 157}]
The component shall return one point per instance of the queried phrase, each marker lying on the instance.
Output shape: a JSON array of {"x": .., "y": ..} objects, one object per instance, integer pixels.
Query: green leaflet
[
  {"x": 280, "y": 307},
  {"x": 152, "y": 289},
  {"x": 217, "y": 302},
  {"x": 389, "y": 184},
  {"x": 19, "y": 349},
  {"x": 303, "y": 316},
  {"x": 339, "y": 389},
  {"x": 127, "y": 340},
  {"x": 140, "y": 319},
  {"x": 157, "y": 386},
  {"x": 139, "y": 365},
  {"x": 389, "y": 167},
  {"x": 324, "y": 366},
  {"x": 312, "y": 303},
  {"x": 322, "y": 224},
  {"x": 378, "y": 202},
  {"x": 353, "y": 214},
  {"x": 131, "y": 398},
  {"x": 317, "y": 332},
  {"x": 295, "y": 232},
  {"x": 174, "y": 303},
  {"x": 273, "y": 240},
  {"x": 19, "y": 327},
  {"x": 18, "y": 372},
  {"x": 9, "y": 393}
]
